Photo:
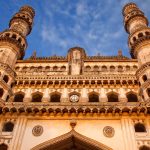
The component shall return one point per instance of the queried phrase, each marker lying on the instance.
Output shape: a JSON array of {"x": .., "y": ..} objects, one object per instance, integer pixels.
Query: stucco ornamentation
[
  {"x": 37, "y": 130},
  {"x": 108, "y": 131}
]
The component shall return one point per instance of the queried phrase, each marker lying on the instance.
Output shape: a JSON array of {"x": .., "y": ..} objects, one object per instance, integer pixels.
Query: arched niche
[
  {"x": 93, "y": 97},
  {"x": 19, "y": 96},
  {"x": 132, "y": 97},
  {"x": 3, "y": 147},
  {"x": 55, "y": 97},
  {"x": 71, "y": 141},
  {"x": 139, "y": 127},
  {"x": 37, "y": 97},
  {"x": 112, "y": 97},
  {"x": 144, "y": 148},
  {"x": 8, "y": 127}
]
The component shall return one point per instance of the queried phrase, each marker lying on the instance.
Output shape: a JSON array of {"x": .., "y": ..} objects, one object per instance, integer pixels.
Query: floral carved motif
[
  {"x": 37, "y": 130},
  {"x": 108, "y": 131}
]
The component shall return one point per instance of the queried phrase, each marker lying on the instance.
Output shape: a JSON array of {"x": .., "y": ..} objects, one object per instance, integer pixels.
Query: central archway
[{"x": 71, "y": 141}]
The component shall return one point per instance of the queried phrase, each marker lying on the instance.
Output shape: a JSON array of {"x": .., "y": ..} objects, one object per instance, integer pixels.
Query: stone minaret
[
  {"x": 136, "y": 24},
  {"x": 12, "y": 47}
]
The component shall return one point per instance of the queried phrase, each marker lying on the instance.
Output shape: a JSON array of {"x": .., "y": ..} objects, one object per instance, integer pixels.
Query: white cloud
[{"x": 97, "y": 27}]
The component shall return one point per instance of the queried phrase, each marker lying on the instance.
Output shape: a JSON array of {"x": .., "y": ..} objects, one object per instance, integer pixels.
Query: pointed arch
[
  {"x": 112, "y": 97},
  {"x": 37, "y": 96},
  {"x": 8, "y": 127},
  {"x": 55, "y": 97},
  {"x": 19, "y": 96},
  {"x": 74, "y": 138},
  {"x": 93, "y": 97},
  {"x": 132, "y": 96}
]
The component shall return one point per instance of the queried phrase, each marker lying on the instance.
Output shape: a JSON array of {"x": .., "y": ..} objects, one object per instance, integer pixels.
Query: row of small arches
[
  {"x": 87, "y": 68},
  {"x": 41, "y": 68},
  {"x": 24, "y": 16},
  {"x": 93, "y": 97},
  {"x": 15, "y": 37},
  {"x": 139, "y": 35},
  {"x": 111, "y": 68}
]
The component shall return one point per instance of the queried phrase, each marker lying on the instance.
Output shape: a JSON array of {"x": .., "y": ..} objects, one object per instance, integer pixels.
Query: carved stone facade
[{"x": 77, "y": 102}]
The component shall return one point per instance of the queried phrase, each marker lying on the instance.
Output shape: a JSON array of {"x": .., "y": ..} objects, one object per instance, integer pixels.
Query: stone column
[
  {"x": 28, "y": 96},
  {"x": 46, "y": 96},
  {"x": 132, "y": 134},
  {"x": 126, "y": 134},
  {"x": 16, "y": 133},
  {"x": 22, "y": 131},
  {"x": 103, "y": 96},
  {"x": 65, "y": 97},
  {"x": 10, "y": 81},
  {"x": 84, "y": 95},
  {"x": 122, "y": 95},
  {"x": 5, "y": 95},
  {"x": 145, "y": 94}
]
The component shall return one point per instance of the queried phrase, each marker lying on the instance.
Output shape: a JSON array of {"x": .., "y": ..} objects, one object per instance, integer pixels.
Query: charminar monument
[{"x": 75, "y": 102}]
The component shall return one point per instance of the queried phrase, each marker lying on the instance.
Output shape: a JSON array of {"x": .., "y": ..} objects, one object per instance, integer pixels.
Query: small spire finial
[
  {"x": 119, "y": 52},
  {"x": 34, "y": 54},
  {"x": 73, "y": 123}
]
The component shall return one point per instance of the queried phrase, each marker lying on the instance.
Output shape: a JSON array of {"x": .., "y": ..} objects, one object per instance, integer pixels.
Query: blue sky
[{"x": 95, "y": 25}]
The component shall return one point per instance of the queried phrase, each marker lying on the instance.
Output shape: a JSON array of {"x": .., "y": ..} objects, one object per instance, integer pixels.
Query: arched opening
[
  {"x": 132, "y": 97},
  {"x": 55, "y": 97},
  {"x": 127, "y": 68},
  {"x": 112, "y": 68},
  {"x": 32, "y": 68},
  {"x": 71, "y": 141},
  {"x": 7, "y": 34},
  {"x": 5, "y": 78},
  {"x": 144, "y": 78},
  {"x": 47, "y": 68},
  {"x": 25, "y": 68},
  {"x": 104, "y": 68},
  {"x": 3, "y": 147},
  {"x": 63, "y": 68},
  {"x": 87, "y": 68},
  {"x": 40, "y": 68},
  {"x": 120, "y": 68},
  {"x": 112, "y": 97},
  {"x": 140, "y": 34},
  {"x": 95, "y": 68},
  {"x": 139, "y": 127},
  {"x": 144, "y": 148},
  {"x": 17, "y": 68},
  {"x": 19, "y": 40},
  {"x": 1, "y": 92},
  {"x": 14, "y": 36},
  {"x": 55, "y": 68},
  {"x": 8, "y": 127},
  {"x": 19, "y": 97},
  {"x": 37, "y": 97},
  {"x": 93, "y": 97},
  {"x": 135, "y": 67},
  {"x": 134, "y": 39},
  {"x": 147, "y": 33}
]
